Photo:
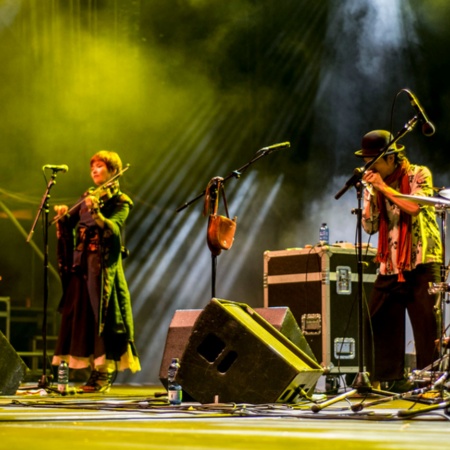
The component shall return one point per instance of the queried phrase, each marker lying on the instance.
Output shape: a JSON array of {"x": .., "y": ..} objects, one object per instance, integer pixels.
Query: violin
[{"x": 103, "y": 193}]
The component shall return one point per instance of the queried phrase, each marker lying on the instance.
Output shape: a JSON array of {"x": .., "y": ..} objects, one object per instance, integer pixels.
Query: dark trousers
[{"x": 385, "y": 331}]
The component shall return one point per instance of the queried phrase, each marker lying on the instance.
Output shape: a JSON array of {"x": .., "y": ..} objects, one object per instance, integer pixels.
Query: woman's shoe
[{"x": 99, "y": 382}]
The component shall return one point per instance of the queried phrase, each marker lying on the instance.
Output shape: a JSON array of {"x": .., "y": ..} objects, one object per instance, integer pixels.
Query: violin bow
[{"x": 94, "y": 192}]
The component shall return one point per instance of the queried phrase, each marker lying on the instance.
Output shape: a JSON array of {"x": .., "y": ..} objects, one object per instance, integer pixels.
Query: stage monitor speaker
[
  {"x": 12, "y": 368},
  {"x": 183, "y": 321},
  {"x": 235, "y": 355}
]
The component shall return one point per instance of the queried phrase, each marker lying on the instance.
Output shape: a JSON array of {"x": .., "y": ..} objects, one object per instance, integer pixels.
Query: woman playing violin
[{"x": 97, "y": 329}]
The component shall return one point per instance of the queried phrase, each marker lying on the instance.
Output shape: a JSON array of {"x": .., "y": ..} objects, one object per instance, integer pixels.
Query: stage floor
[{"x": 135, "y": 417}]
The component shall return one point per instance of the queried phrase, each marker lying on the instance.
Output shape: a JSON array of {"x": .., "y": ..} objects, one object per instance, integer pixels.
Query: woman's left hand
[{"x": 92, "y": 202}]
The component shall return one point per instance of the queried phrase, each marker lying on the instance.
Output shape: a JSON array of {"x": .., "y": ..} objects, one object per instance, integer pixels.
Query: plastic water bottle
[
  {"x": 174, "y": 390},
  {"x": 63, "y": 377},
  {"x": 324, "y": 234}
]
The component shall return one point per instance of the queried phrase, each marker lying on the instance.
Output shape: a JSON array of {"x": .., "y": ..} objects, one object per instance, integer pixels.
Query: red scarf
[{"x": 399, "y": 177}]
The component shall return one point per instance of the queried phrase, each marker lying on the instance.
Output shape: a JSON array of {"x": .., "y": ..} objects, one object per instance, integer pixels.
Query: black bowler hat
[{"x": 375, "y": 141}]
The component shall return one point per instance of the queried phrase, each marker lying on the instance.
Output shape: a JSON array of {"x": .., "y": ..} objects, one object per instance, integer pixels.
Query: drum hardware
[
  {"x": 439, "y": 288},
  {"x": 438, "y": 203}
]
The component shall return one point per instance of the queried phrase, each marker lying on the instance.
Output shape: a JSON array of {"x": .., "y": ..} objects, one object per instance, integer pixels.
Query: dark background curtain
[{"x": 186, "y": 90}]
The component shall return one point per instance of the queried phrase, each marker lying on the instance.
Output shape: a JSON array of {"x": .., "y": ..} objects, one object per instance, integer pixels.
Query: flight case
[{"x": 320, "y": 286}]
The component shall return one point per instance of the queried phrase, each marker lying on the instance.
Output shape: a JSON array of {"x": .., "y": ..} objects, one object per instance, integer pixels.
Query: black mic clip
[{"x": 359, "y": 171}]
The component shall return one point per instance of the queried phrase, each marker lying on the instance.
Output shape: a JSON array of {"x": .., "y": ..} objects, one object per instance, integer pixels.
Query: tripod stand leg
[
  {"x": 413, "y": 412},
  {"x": 388, "y": 397},
  {"x": 319, "y": 406}
]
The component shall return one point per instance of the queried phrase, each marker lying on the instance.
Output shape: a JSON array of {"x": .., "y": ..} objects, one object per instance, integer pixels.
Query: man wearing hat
[{"x": 409, "y": 254}]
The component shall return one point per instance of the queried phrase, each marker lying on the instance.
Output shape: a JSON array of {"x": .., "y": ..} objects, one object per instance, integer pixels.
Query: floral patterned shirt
[{"x": 426, "y": 240}]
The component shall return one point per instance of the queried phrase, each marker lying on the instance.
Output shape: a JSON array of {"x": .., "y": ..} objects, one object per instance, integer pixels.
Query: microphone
[
  {"x": 61, "y": 168},
  {"x": 275, "y": 147},
  {"x": 428, "y": 129}
]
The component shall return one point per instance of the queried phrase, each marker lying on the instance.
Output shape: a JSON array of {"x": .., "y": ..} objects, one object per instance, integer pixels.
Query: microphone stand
[
  {"x": 214, "y": 192},
  {"x": 44, "y": 207},
  {"x": 361, "y": 383}
]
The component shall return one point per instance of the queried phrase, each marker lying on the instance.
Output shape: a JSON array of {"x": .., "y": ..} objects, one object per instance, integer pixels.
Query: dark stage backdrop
[{"x": 186, "y": 90}]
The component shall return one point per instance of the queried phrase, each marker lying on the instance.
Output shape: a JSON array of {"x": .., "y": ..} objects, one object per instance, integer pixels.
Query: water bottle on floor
[
  {"x": 63, "y": 377},
  {"x": 174, "y": 390}
]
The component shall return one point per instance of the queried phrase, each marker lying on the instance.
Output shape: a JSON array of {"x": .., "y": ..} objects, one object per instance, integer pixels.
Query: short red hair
[{"x": 111, "y": 159}]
